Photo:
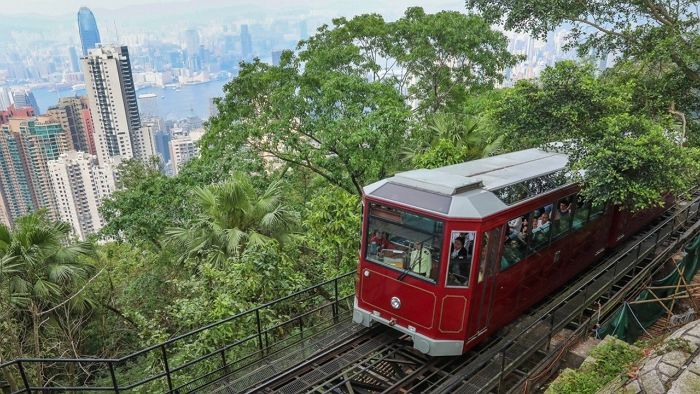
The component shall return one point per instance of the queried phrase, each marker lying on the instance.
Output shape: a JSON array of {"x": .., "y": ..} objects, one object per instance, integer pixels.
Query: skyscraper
[
  {"x": 87, "y": 27},
  {"x": 26, "y": 147},
  {"x": 276, "y": 56},
  {"x": 81, "y": 184},
  {"x": 246, "y": 43},
  {"x": 5, "y": 101},
  {"x": 183, "y": 149},
  {"x": 69, "y": 114},
  {"x": 74, "y": 60},
  {"x": 24, "y": 98},
  {"x": 113, "y": 103}
]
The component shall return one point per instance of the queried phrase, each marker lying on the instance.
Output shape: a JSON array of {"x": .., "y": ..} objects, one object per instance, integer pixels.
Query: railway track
[{"x": 380, "y": 360}]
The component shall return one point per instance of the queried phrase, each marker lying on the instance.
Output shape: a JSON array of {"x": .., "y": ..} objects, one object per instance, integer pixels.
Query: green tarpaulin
[{"x": 631, "y": 319}]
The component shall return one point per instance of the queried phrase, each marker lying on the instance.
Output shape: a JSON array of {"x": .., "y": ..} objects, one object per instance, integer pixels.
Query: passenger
[
  {"x": 514, "y": 228},
  {"x": 459, "y": 261},
  {"x": 563, "y": 210},
  {"x": 458, "y": 249},
  {"x": 380, "y": 240},
  {"x": 543, "y": 222},
  {"x": 421, "y": 261}
]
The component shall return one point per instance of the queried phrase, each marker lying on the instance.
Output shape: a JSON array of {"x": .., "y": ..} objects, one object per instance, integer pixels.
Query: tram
[{"x": 450, "y": 255}]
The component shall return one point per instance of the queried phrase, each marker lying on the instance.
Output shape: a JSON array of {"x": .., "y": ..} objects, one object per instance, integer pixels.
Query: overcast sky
[{"x": 64, "y": 7}]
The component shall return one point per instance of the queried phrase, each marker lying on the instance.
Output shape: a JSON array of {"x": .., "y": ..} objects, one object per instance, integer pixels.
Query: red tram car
[{"x": 449, "y": 255}]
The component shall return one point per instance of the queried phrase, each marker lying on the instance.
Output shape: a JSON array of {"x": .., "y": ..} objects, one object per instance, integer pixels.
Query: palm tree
[
  {"x": 232, "y": 217},
  {"x": 461, "y": 133},
  {"x": 40, "y": 269}
]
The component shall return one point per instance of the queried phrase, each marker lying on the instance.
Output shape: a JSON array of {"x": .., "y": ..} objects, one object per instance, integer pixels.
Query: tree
[
  {"x": 340, "y": 107},
  {"x": 232, "y": 216},
  {"x": 618, "y": 153},
  {"x": 41, "y": 271},
  {"x": 148, "y": 201},
  {"x": 451, "y": 139},
  {"x": 636, "y": 29}
]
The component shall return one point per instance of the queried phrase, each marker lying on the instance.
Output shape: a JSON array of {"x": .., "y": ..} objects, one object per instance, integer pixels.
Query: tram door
[{"x": 483, "y": 292}]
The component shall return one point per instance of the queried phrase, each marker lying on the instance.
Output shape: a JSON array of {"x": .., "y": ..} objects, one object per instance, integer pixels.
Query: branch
[
  {"x": 73, "y": 296},
  {"x": 602, "y": 29}
]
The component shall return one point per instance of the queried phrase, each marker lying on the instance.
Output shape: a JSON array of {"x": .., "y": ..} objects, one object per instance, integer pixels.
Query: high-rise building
[
  {"x": 213, "y": 109},
  {"x": 113, "y": 103},
  {"x": 81, "y": 184},
  {"x": 144, "y": 141},
  {"x": 69, "y": 113},
  {"x": 74, "y": 59},
  {"x": 12, "y": 112},
  {"x": 87, "y": 27},
  {"x": 24, "y": 98},
  {"x": 276, "y": 56},
  {"x": 26, "y": 147},
  {"x": 183, "y": 149},
  {"x": 246, "y": 43},
  {"x": 148, "y": 105},
  {"x": 191, "y": 41},
  {"x": 5, "y": 101}
]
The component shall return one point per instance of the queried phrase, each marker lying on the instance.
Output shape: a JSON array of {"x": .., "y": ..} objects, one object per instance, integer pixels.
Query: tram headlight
[{"x": 395, "y": 302}]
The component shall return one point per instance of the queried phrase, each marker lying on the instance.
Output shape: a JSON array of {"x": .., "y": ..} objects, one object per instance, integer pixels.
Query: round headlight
[{"x": 395, "y": 302}]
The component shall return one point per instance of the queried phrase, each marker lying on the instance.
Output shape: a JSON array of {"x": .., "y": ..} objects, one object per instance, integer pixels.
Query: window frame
[
  {"x": 477, "y": 237},
  {"x": 424, "y": 215}
]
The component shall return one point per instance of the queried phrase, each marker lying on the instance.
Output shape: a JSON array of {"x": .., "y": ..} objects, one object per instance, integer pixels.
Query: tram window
[
  {"x": 541, "y": 227},
  {"x": 597, "y": 211},
  {"x": 461, "y": 254},
  {"x": 404, "y": 241},
  {"x": 517, "y": 238},
  {"x": 490, "y": 242},
  {"x": 581, "y": 211},
  {"x": 561, "y": 217}
]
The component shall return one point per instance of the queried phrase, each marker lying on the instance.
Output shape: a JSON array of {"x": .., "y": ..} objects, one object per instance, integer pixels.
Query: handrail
[{"x": 259, "y": 335}]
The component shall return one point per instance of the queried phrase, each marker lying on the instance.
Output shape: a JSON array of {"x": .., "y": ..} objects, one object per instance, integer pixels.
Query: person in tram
[
  {"x": 460, "y": 257},
  {"x": 563, "y": 210},
  {"x": 420, "y": 261}
]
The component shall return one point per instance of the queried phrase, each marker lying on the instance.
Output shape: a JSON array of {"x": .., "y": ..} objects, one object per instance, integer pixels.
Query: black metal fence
[{"x": 198, "y": 357}]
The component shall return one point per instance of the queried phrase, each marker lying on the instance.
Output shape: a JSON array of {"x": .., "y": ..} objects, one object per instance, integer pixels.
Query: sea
[{"x": 172, "y": 104}]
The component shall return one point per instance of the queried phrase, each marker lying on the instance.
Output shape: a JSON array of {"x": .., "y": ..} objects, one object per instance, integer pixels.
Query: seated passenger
[
  {"x": 380, "y": 240},
  {"x": 542, "y": 223},
  {"x": 420, "y": 260}
]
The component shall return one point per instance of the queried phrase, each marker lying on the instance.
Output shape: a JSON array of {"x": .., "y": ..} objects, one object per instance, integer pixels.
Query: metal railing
[{"x": 201, "y": 356}]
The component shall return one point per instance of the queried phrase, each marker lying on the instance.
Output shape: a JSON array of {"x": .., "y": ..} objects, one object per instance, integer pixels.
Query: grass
[{"x": 611, "y": 360}]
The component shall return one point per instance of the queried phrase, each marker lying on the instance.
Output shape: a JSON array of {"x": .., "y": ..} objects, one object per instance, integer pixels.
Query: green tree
[
  {"x": 618, "y": 155},
  {"x": 232, "y": 216},
  {"x": 332, "y": 231},
  {"x": 340, "y": 107},
  {"x": 451, "y": 139},
  {"x": 42, "y": 271},
  {"x": 667, "y": 30}
]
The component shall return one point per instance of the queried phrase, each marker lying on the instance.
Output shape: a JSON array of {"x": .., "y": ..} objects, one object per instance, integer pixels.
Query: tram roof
[{"x": 477, "y": 188}]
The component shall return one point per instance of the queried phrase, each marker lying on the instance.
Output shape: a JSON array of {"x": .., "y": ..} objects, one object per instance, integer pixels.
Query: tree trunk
[
  {"x": 37, "y": 342},
  {"x": 8, "y": 376}
]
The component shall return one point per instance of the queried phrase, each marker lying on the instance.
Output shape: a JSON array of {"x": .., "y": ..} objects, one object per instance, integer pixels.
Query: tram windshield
[{"x": 404, "y": 241}]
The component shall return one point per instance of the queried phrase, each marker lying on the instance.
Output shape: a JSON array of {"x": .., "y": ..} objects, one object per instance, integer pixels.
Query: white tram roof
[{"x": 478, "y": 188}]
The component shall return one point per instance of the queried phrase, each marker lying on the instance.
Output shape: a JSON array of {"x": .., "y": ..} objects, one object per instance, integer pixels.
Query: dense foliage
[{"x": 273, "y": 203}]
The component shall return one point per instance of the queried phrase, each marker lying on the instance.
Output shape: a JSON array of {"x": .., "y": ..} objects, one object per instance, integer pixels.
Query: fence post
[
  {"x": 551, "y": 329},
  {"x": 335, "y": 304},
  {"x": 23, "y": 374},
  {"x": 301, "y": 326},
  {"x": 503, "y": 368},
  {"x": 259, "y": 325},
  {"x": 167, "y": 368},
  {"x": 114, "y": 376},
  {"x": 223, "y": 360}
]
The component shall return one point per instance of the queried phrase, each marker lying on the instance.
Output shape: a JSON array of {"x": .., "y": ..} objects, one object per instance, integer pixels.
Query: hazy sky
[{"x": 63, "y": 7}]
